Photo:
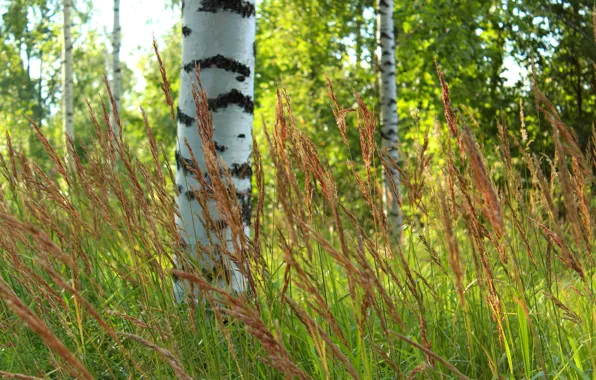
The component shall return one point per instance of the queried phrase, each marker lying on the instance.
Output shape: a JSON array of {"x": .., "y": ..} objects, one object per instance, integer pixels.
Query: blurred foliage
[
  {"x": 557, "y": 39},
  {"x": 490, "y": 51},
  {"x": 30, "y": 82},
  {"x": 151, "y": 98},
  {"x": 26, "y": 31}
]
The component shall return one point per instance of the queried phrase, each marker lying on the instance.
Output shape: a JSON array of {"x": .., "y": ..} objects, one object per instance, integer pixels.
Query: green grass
[{"x": 89, "y": 255}]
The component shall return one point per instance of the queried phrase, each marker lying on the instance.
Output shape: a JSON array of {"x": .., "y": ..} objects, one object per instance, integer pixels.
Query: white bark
[
  {"x": 218, "y": 36},
  {"x": 389, "y": 131},
  {"x": 67, "y": 74},
  {"x": 116, "y": 69}
]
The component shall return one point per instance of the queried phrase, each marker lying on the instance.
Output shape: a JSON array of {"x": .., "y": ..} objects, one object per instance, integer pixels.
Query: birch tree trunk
[
  {"x": 388, "y": 117},
  {"x": 116, "y": 70},
  {"x": 218, "y": 36},
  {"x": 67, "y": 73}
]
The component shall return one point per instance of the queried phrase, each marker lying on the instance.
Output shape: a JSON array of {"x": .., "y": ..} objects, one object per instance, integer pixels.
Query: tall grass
[{"x": 491, "y": 280}]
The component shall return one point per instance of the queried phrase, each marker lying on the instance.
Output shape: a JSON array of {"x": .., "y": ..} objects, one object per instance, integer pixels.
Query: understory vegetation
[{"x": 493, "y": 277}]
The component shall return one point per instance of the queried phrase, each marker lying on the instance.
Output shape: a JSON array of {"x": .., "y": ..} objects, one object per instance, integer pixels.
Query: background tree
[
  {"x": 67, "y": 73},
  {"x": 116, "y": 69},
  {"x": 388, "y": 116}
]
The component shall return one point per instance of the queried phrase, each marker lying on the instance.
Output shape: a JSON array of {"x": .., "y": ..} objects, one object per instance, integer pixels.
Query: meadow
[{"x": 492, "y": 276}]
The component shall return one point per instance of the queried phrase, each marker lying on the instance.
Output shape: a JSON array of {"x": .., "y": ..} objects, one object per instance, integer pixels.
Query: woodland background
[{"x": 492, "y": 50}]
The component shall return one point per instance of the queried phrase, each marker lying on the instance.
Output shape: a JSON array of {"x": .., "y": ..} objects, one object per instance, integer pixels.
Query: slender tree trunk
[
  {"x": 116, "y": 70},
  {"x": 67, "y": 73},
  {"x": 359, "y": 20},
  {"x": 40, "y": 112},
  {"x": 218, "y": 36},
  {"x": 388, "y": 89}
]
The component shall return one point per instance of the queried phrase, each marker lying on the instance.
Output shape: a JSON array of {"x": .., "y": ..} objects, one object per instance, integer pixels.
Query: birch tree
[
  {"x": 218, "y": 36},
  {"x": 388, "y": 116},
  {"x": 67, "y": 73},
  {"x": 116, "y": 69}
]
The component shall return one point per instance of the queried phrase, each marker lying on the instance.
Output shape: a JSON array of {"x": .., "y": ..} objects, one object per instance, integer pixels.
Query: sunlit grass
[{"x": 489, "y": 281}]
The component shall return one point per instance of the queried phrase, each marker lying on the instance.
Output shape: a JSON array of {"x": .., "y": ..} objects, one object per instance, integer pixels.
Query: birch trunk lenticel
[
  {"x": 218, "y": 37},
  {"x": 388, "y": 117},
  {"x": 67, "y": 70},
  {"x": 116, "y": 71}
]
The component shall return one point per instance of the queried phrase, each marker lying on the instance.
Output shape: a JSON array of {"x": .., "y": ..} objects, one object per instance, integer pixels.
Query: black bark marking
[
  {"x": 180, "y": 188},
  {"x": 388, "y": 135},
  {"x": 385, "y": 35},
  {"x": 184, "y": 118},
  {"x": 254, "y": 49},
  {"x": 240, "y": 78},
  {"x": 190, "y": 195},
  {"x": 177, "y": 158},
  {"x": 383, "y": 3},
  {"x": 241, "y": 171},
  {"x": 241, "y": 136},
  {"x": 388, "y": 63},
  {"x": 220, "y": 148},
  {"x": 218, "y": 270},
  {"x": 221, "y": 62},
  {"x": 219, "y": 225},
  {"x": 392, "y": 102},
  {"x": 244, "y": 200},
  {"x": 243, "y": 8},
  {"x": 208, "y": 183},
  {"x": 184, "y": 163},
  {"x": 186, "y": 31},
  {"x": 233, "y": 97}
]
